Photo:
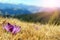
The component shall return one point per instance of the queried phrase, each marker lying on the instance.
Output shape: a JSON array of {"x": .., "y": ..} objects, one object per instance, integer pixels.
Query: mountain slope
[
  {"x": 42, "y": 17},
  {"x": 31, "y": 9}
]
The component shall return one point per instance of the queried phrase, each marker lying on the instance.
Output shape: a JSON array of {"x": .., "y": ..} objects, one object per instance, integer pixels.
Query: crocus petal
[
  {"x": 16, "y": 30},
  {"x": 6, "y": 27}
]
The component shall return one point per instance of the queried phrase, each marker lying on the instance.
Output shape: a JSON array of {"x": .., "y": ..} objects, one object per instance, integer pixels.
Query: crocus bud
[{"x": 12, "y": 28}]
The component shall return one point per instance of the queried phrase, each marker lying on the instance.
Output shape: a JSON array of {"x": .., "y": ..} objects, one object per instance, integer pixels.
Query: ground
[{"x": 30, "y": 31}]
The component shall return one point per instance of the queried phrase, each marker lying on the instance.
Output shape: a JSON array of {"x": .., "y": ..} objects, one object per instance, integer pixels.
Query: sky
[{"x": 40, "y": 3}]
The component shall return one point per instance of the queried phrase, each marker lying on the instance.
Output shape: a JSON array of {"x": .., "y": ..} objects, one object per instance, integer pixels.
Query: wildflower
[{"x": 11, "y": 28}]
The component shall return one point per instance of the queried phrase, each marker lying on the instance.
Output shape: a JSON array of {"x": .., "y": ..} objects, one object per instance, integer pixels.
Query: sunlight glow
[
  {"x": 40, "y": 3},
  {"x": 50, "y": 3}
]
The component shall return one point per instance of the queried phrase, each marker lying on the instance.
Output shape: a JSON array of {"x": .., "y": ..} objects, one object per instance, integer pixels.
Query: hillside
[
  {"x": 30, "y": 13},
  {"x": 17, "y": 9},
  {"x": 30, "y": 31},
  {"x": 42, "y": 17}
]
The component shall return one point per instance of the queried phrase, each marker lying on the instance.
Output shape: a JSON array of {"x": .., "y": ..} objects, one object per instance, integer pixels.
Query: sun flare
[{"x": 50, "y": 3}]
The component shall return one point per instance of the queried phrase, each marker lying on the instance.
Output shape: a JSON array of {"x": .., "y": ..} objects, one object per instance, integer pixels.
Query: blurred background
[{"x": 41, "y": 11}]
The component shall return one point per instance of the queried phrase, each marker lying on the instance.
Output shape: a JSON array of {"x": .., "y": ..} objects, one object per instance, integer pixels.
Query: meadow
[
  {"x": 29, "y": 20},
  {"x": 30, "y": 31}
]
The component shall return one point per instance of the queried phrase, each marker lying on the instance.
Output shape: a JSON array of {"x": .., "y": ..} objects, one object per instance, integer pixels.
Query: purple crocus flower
[{"x": 11, "y": 28}]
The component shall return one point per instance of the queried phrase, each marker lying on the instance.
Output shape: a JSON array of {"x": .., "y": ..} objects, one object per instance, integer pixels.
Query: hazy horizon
[{"x": 40, "y": 3}]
